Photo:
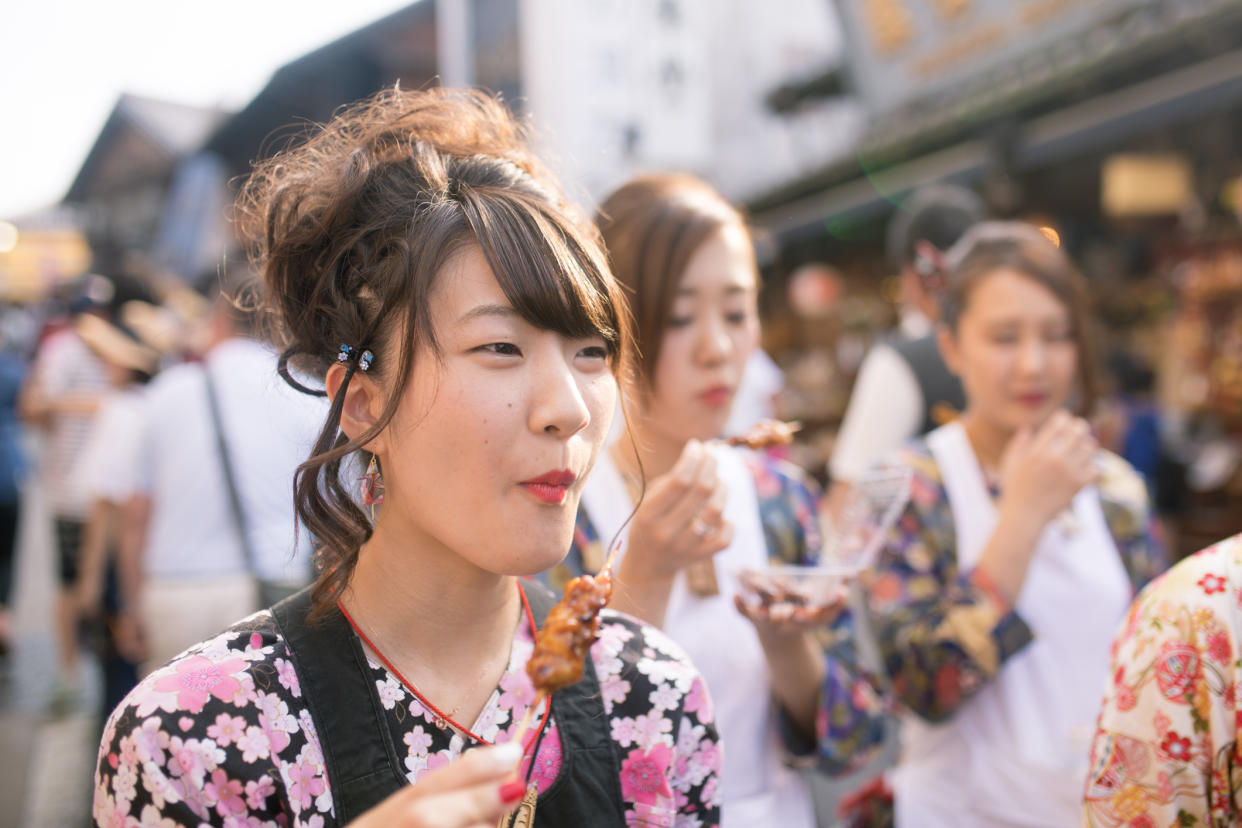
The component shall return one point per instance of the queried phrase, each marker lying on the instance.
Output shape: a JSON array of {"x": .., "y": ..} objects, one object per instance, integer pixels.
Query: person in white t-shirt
[
  {"x": 186, "y": 571},
  {"x": 903, "y": 388},
  {"x": 104, "y": 472}
]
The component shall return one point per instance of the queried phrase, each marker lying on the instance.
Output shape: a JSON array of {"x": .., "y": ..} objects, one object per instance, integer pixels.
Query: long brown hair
[
  {"x": 1014, "y": 245},
  {"x": 350, "y": 230},
  {"x": 652, "y": 226}
]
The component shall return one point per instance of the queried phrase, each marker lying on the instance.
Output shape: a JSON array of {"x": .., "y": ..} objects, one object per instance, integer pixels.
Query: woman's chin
[
  {"x": 1030, "y": 417},
  {"x": 535, "y": 561},
  {"x": 711, "y": 429}
]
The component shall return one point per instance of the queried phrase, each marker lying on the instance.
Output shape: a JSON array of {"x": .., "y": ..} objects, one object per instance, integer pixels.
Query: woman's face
[
  {"x": 491, "y": 443},
  {"x": 712, "y": 329},
  {"x": 1014, "y": 350}
]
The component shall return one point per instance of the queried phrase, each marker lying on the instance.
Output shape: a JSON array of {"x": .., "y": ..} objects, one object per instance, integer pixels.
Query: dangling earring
[{"x": 372, "y": 486}]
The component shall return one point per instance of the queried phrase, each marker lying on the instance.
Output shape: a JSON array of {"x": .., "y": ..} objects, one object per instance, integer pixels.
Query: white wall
[{"x": 616, "y": 87}]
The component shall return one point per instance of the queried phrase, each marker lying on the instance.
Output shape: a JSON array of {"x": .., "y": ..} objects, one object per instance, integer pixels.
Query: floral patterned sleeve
[
  {"x": 1165, "y": 750},
  {"x": 788, "y": 510},
  {"x": 1127, "y": 511},
  {"x": 215, "y": 737},
  {"x": 943, "y": 633}
]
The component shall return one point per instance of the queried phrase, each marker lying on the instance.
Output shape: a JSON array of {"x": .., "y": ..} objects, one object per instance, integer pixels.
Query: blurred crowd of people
[{"x": 165, "y": 446}]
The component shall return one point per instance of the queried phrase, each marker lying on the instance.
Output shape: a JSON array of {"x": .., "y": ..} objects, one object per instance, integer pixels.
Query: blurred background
[{"x": 1114, "y": 125}]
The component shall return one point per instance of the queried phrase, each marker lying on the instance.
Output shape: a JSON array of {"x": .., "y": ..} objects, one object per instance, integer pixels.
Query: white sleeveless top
[
  {"x": 756, "y": 788},
  {"x": 1016, "y": 753}
]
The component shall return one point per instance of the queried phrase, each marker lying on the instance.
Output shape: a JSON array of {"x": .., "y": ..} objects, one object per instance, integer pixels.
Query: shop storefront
[{"x": 1115, "y": 125}]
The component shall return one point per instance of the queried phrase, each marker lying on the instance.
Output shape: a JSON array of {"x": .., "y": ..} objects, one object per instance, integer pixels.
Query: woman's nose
[
  {"x": 559, "y": 406},
  {"x": 1032, "y": 356},
  {"x": 714, "y": 343}
]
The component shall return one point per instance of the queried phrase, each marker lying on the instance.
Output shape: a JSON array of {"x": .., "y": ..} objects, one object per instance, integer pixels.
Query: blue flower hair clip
[{"x": 346, "y": 353}]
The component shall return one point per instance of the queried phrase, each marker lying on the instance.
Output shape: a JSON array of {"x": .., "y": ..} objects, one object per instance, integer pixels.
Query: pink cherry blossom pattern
[
  {"x": 227, "y": 793},
  {"x": 197, "y": 678},
  {"x": 304, "y": 783},
  {"x": 644, "y": 776},
  {"x": 699, "y": 701}
]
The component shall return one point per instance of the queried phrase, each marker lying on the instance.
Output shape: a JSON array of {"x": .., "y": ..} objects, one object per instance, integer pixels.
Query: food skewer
[
  {"x": 561, "y": 648},
  {"x": 765, "y": 434},
  {"x": 701, "y": 577},
  {"x": 567, "y": 635}
]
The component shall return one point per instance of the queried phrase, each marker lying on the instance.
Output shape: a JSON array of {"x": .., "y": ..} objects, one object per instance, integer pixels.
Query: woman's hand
[
  {"x": 786, "y": 618},
  {"x": 131, "y": 637},
  {"x": 472, "y": 792},
  {"x": 679, "y": 523},
  {"x": 681, "y": 520},
  {"x": 1040, "y": 475},
  {"x": 1042, "y": 472}
]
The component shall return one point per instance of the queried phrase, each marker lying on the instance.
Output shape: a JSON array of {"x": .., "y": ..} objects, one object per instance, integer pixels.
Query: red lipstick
[
  {"x": 550, "y": 487},
  {"x": 717, "y": 396}
]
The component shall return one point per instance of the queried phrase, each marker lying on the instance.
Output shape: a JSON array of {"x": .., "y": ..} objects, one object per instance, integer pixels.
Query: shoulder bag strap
[{"x": 230, "y": 478}]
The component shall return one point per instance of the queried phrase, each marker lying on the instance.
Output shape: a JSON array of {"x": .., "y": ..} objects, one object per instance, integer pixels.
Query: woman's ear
[
  {"x": 946, "y": 341},
  {"x": 362, "y": 406}
]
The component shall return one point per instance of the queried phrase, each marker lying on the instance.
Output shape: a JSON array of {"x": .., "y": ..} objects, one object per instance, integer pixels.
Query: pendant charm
[
  {"x": 701, "y": 579},
  {"x": 524, "y": 816},
  {"x": 440, "y": 723}
]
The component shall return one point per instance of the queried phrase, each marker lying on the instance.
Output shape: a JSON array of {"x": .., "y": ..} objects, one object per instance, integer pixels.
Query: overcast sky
[{"x": 64, "y": 62}]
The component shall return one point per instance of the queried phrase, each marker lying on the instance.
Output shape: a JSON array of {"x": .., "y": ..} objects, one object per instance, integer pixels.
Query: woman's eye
[
  {"x": 502, "y": 348},
  {"x": 594, "y": 352},
  {"x": 737, "y": 318},
  {"x": 680, "y": 321}
]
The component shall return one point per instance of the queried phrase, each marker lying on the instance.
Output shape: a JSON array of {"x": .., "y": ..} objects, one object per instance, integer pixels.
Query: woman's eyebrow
[
  {"x": 490, "y": 309},
  {"x": 730, "y": 289}
]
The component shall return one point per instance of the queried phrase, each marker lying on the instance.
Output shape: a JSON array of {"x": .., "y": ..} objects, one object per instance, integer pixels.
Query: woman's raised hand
[
  {"x": 681, "y": 519},
  {"x": 472, "y": 792},
  {"x": 786, "y": 618},
  {"x": 1041, "y": 472}
]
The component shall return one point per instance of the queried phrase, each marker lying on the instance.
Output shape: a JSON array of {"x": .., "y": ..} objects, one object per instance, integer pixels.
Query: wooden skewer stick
[
  {"x": 524, "y": 725},
  {"x": 606, "y": 569}
]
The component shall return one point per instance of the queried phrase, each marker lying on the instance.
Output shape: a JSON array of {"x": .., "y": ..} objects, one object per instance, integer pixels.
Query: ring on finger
[{"x": 698, "y": 527}]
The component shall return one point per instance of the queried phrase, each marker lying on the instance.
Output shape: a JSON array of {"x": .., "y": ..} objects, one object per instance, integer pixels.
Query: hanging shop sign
[
  {"x": 1134, "y": 184},
  {"x": 902, "y": 50}
]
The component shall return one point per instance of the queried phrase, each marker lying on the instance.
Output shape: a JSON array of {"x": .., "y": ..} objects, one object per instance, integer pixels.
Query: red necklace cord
[{"x": 409, "y": 685}]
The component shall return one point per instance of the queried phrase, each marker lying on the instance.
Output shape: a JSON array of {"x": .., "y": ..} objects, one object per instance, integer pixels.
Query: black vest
[
  {"x": 362, "y": 762},
  {"x": 943, "y": 398}
]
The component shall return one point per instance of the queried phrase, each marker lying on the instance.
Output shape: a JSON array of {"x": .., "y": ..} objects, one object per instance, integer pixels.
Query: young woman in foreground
[{"x": 467, "y": 330}]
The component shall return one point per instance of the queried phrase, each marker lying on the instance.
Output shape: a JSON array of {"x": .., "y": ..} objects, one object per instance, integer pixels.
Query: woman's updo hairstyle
[
  {"x": 991, "y": 246},
  {"x": 350, "y": 230},
  {"x": 652, "y": 226}
]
